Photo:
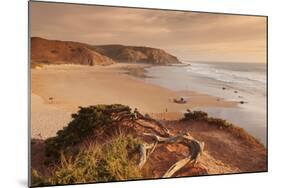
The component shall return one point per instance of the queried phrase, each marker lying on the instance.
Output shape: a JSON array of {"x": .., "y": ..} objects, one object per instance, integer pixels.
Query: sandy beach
[{"x": 58, "y": 90}]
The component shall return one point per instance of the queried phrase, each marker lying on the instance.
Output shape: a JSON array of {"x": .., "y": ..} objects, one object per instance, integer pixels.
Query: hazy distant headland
[{"x": 64, "y": 52}]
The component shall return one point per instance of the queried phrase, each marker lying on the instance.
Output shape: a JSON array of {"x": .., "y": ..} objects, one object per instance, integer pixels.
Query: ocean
[{"x": 242, "y": 82}]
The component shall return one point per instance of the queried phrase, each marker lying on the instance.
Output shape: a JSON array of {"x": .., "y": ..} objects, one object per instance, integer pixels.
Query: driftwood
[
  {"x": 146, "y": 150},
  {"x": 195, "y": 148},
  {"x": 161, "y": 135},
  {"x": 147, "y": 118}
]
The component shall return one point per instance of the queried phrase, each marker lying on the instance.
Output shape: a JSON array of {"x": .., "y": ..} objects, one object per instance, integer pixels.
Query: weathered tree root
[
  {"x": 195, "y": 150},
  {"x": 161, "y": 135},
  {"x": 153, "y": 129},
  {"x": 146, "y": 150},
  {"x": 147, "y": 118}
]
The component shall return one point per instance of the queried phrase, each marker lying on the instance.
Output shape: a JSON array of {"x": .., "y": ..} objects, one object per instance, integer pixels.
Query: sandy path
[{"x": 71, "y": 86}]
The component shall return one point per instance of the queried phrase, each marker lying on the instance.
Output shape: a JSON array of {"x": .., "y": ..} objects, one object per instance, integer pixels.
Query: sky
[{"x": 191, "y": 36}]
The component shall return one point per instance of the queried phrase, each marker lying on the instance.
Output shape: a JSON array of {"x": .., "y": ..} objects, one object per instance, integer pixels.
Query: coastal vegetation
[
  {"x": 112, "y": 143},
  {"x": 88, "y": 123},
  {"x": 74, "y": 155},
  {"x": 88, "y": 150},
  {"x": 219, "y": 123},
  {"x": 112, "y": 161}
]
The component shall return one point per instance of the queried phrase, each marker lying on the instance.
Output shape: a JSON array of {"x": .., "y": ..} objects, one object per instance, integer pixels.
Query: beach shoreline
[
  {"x": 244, "y": 83},
  {"x": 58, "y": 90}
]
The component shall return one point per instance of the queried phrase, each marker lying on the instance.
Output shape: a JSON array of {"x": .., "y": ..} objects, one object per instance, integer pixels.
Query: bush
[
  {"x": 221, "y": 124},
  {"x": 38, "y": 180},
  {"x": 88, "y": 121},
  {"x": 113, "y": 161},
  {"x": 195, "y": 115}
]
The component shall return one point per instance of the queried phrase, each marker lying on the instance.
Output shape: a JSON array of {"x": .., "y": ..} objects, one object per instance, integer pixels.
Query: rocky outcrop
[
  {"x": 135, "y": 54},
  {"x": 63, "y": 52}
]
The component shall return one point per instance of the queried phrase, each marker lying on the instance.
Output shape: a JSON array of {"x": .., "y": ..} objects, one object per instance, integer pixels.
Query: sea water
[{"x": 231, "y": 81}]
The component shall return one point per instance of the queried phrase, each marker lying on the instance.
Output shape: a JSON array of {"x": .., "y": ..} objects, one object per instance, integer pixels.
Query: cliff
[
  {"x": 64, "y": 52},
  {"x": 136, "y": 54}
]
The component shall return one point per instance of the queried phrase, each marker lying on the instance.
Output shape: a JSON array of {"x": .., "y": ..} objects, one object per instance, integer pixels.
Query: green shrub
[
  {"x": 221, "y": 124},
  {"x": 88, "y": 121},
  {"x": 112, "y": 161},
  {"x": 38, "y": 180},
  {"x": 195, "y": 115}
]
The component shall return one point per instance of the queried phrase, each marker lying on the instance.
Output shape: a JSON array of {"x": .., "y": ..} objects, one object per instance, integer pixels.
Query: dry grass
[
  {"x": 88, "y": 121},
  {"x": 112, "y": 161}
]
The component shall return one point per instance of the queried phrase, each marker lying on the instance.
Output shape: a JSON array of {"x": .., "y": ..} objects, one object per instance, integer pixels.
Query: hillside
[
  {"x": 66, "y": 52},
  {"x": 63, "y": 52},
  {"x": 135, "y": 54},
  {"x": 116, "y": 143}
]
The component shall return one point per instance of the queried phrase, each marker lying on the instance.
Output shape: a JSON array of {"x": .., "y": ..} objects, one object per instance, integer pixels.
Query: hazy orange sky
[{"x": 188, "y": 35}]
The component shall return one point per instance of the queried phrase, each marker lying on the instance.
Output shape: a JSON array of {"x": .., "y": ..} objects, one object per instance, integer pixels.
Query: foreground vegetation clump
[
  {"x": 220, "y": 123},
  {"x": 195, "y": 115},
  {"x": 88, "y": 121},
  {"x": 112, "y": 161}
]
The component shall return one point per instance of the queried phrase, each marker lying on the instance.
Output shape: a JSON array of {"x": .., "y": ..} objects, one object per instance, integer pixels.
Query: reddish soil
[{"x": 223, "y": 151}]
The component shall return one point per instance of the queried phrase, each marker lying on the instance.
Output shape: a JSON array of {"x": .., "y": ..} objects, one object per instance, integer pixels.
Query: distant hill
[
  {"x": 63, "y": 52},
  {"x": 135, "y": 54}
]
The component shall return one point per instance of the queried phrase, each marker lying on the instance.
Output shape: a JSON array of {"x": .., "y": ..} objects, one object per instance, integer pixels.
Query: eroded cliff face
[
  {"x": 67, "y": 52},
  {"x": 134, "y": 54},
  {"x": 63, "y": 52}
]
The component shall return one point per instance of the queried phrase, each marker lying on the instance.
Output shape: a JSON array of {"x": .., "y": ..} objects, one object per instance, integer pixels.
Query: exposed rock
[
  {"x": 135, "y": 54},
  {"x": 67, "y": 52},
  {"x": 63, "y": 52}
]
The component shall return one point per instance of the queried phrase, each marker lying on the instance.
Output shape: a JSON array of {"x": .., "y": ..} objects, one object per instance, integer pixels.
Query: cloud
[{"x": 202, "y": 36}]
